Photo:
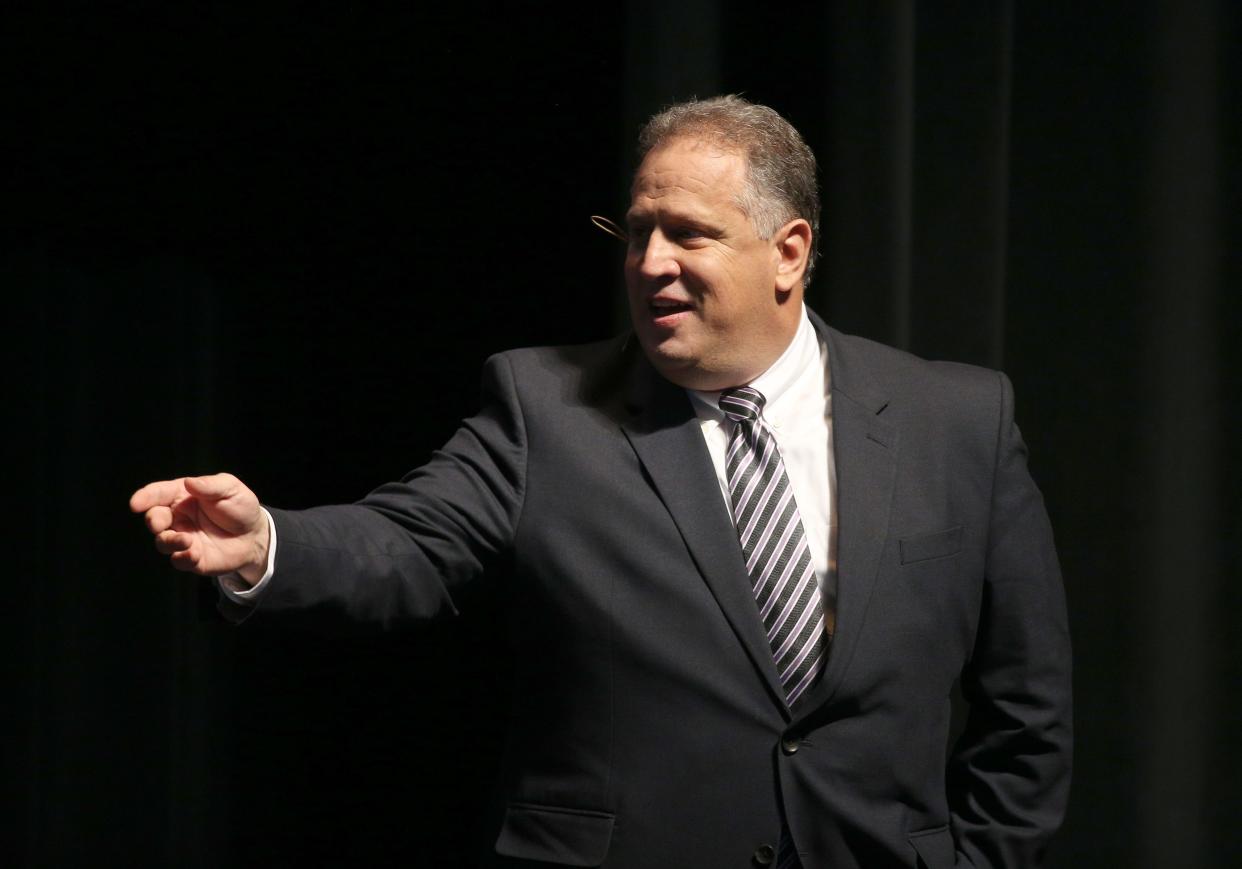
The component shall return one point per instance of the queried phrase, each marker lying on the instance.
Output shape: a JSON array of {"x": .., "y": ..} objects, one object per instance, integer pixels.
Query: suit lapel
[
  {"x": 664, "y": 431},
  {"x": 665, "y": 434},
  {"x": 865, "y": 455}
]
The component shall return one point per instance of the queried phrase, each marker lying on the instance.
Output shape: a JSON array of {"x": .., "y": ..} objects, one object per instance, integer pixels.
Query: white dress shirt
[
  {"x": 235, "y": 588},
  {"x": 797, "y": 408}
]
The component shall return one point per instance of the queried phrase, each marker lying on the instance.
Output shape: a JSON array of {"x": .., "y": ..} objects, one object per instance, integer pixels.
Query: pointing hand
[{"x": 206, "y": 525}]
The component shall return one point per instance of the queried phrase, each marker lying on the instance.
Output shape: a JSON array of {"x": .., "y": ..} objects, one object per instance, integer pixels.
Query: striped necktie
[{"x": 774, "y": 543}]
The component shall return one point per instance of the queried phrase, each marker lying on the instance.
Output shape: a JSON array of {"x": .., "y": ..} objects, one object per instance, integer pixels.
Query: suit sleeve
[
  {"x": 1009, "y": 772},
  {"x": 408, "y": 549}
]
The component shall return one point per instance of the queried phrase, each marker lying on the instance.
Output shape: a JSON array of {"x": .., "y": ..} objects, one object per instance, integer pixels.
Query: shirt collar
[{"x": 801, "y": 354}]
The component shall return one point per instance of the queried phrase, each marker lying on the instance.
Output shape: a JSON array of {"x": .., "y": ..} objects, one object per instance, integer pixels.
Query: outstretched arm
[
  {"x": 208, "y": 525},
  {"x": 398, "y": 553}
]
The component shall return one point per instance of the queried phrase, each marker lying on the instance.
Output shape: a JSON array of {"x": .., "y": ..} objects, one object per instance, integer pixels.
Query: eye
[{"x": 637, "y": 234}]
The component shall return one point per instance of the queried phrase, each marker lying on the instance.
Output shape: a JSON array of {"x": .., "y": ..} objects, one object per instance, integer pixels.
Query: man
[{"x": 747, "y": 557}]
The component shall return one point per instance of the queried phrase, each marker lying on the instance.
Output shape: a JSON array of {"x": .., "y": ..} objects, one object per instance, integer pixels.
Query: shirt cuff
[{"x": 235, "y": 588}]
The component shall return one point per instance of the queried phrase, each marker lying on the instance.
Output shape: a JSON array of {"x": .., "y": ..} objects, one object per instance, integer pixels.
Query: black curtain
[{"x": 238, "y": 241}]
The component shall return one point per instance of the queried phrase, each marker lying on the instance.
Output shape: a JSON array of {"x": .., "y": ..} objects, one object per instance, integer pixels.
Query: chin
[
  {"x": 689, "y": 373},
  {"x": 680, "y": 364},
  {"x": 674, "y": 366}
]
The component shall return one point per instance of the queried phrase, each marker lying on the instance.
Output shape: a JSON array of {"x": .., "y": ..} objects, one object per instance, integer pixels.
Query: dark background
[{"x": 240, "y": 240}]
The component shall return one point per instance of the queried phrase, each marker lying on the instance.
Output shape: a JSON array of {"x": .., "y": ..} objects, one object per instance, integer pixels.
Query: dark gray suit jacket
[{"x": 649, "y": 727}]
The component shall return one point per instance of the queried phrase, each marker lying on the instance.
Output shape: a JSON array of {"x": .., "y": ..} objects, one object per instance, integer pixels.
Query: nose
[{"x": 653, "y": 257}]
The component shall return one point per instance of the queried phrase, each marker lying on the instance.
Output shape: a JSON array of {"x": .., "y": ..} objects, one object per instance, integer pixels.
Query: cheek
[
  {"x": 634, "y": 288},
  {"x": 628, "y": 268}
]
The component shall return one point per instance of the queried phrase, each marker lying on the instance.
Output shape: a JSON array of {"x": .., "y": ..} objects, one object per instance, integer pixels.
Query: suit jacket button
[
  {"x": 790, "y": 744},
  {"x": 764, "y": 855}
]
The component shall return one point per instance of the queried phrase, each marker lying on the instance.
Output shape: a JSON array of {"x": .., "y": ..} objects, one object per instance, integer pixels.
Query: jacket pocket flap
[
  {"x": 935, "y": 847},
  {"x": 571, "y": 837},
  {"x": 935, "y": 545}
]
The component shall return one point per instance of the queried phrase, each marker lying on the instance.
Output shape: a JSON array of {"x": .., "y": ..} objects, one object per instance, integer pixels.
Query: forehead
[{"x": 688, "y": 173}]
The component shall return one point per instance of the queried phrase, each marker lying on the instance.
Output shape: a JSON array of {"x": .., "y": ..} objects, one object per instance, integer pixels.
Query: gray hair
[{"x": 780, "y": 168}]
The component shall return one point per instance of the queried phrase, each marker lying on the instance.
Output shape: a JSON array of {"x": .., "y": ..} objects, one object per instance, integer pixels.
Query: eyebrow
[{"x": 671, "y": 216}]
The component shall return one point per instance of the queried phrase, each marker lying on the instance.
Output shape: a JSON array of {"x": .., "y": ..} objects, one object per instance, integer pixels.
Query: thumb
[{"x": 213, "y": 487}]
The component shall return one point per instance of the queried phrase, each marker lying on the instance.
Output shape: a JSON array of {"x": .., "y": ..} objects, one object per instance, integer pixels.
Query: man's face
[{"x": 702, "y": 285}]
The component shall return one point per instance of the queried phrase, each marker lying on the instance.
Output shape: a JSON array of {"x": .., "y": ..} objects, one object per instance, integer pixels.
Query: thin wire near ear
[{"x": 610, "y": 227}]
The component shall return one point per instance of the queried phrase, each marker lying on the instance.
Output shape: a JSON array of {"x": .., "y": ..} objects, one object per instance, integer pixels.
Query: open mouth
[
  {"x": 667, "y": 307},
  {"x": 667, "y": 313}
]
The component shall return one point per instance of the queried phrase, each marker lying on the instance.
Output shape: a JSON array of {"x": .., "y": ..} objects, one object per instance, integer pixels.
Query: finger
[
  {"x": 164, "y": 492},
  {"x": 215, "y": 487},
  {"x": 185, "y": 561},
  {"x": 159, "y": 519},
  {"x": 191, "y": 559},
  {"x": 169, "y": 542}
]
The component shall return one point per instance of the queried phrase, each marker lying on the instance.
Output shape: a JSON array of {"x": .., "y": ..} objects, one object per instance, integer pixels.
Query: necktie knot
[{"x": 741, "y": 403}]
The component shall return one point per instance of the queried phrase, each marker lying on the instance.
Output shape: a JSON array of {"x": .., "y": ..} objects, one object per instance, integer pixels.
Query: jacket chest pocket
[{"x": 925, "y": 547}]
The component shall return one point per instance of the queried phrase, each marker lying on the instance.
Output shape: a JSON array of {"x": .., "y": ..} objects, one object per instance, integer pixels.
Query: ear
[{"x": 792, "y": 245}]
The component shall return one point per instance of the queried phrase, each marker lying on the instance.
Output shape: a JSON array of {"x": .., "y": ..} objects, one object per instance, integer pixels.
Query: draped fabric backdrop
[{"x": 238, "y": 241}]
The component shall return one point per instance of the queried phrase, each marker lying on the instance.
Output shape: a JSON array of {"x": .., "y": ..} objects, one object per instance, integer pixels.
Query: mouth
[{"x": 667, "y": 312}]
